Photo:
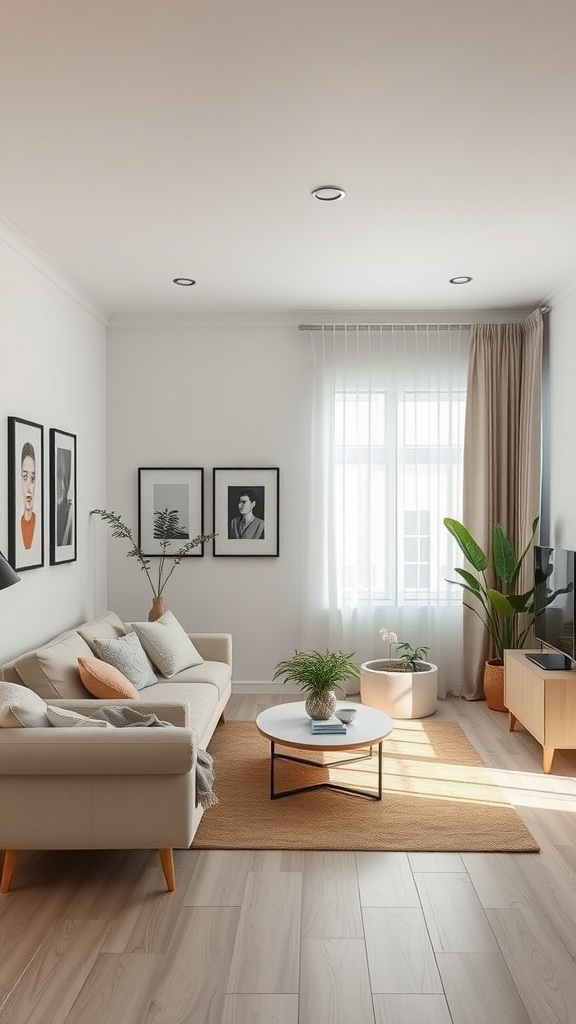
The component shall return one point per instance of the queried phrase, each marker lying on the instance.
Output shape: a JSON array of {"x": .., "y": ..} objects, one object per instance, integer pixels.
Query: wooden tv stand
[{"x": 543, "y": 702}]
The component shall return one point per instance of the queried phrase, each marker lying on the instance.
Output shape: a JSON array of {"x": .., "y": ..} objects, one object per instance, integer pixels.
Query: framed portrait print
[
  {"x": 246, "y": 511},
  {"x": 63, "y": 513},
  {"x": 178, "y": 491},
  {"x": 25, "y": 494}
]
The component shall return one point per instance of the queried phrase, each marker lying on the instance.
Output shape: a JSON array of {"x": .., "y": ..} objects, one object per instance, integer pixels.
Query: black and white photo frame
[
  {"x": 63, "y": 497},
  {"x": 25, "y": 494},
  {"x": 179, "y": 490},
  {"x": 246, "y": 511}
]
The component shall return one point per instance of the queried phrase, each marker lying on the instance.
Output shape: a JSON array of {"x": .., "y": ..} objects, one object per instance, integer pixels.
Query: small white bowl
[{"x": 345, "y": 715}]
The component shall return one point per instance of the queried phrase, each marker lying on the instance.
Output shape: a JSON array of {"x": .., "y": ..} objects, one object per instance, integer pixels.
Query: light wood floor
[{"x": 299, "y": 938}]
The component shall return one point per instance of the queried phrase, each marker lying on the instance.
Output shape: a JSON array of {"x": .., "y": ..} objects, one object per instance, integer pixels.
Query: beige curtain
[{"x": 502, "y": 442}]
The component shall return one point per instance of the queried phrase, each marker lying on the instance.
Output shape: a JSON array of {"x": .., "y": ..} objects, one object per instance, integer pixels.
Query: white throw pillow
[
  {"x": 167, "y": 644},
  {"x": 129, "y": 657},
  {"x": 64, "y": 719},
  {"x": 21, "y": 708}
]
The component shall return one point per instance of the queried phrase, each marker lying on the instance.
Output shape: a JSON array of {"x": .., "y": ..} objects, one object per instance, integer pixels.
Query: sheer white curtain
[{"x": 387, "y": 447}]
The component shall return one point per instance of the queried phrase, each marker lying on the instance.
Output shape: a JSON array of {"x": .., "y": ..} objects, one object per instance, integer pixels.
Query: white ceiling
[{"x": 147, "y": 139}]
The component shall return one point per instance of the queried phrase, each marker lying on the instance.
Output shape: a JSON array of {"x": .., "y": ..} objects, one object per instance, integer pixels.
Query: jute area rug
[{"x": 438, "y": 796}]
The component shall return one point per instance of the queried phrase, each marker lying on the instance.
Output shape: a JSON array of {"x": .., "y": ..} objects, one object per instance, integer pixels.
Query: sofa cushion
[
  {"x": 52, "y": 670},
  {"x": 167, "y": 644},
  {"x": 63, "y": 718},
  {"x": 214, "y": 673},
  {"x": 21, "y": 708},
  {"x": 108, "y": 627},
  {"x": 127, "y": 655},
  {"x": 104, "y": 681},
  {"x": 201, "y": 698}
]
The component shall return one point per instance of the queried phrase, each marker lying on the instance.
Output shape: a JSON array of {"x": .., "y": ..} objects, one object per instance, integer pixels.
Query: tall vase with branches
[{"x": 167, "y": 529}]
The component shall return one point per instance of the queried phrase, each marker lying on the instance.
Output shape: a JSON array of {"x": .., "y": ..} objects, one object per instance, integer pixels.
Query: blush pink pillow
[{"x": 105, "y": 681}]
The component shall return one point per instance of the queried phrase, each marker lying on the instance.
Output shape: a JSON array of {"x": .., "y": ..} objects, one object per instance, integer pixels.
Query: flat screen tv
[{"x": 554, "y": 620}]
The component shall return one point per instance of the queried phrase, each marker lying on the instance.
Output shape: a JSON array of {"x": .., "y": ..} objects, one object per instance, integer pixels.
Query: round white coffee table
[{"x": 289, "y": 726}]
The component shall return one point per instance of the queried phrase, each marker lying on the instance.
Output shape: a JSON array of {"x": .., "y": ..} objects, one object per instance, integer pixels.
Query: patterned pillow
[
  {"x": 167, "y": 644},
  {"x": 65, "y": 719},
  {"x": 104, "y": 681},
  {"x": 20, "y": 707},
  {"x": 129, "y": 657}
]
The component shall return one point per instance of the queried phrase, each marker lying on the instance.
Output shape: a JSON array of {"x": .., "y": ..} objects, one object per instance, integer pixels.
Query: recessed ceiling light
[
  {"x": 460, "y": 280},
  {"x": 328, "y": 193},
  {"x": 184, "y": 281}
]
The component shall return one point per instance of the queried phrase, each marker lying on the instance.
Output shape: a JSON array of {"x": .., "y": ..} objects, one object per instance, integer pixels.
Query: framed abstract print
[{"x": 63, "y": 496}]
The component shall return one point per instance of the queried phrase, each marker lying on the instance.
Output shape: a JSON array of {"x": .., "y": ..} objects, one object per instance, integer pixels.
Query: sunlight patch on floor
[{"x": 534, "y": 789}]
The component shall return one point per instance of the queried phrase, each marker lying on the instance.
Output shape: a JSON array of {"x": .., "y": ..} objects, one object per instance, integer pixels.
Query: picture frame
[
  {"x": 25, "y": 494},
  {"x": 180, "y": 489},
  {"x": 63, "y": 497},
  {"x": 247, "y": 524}
]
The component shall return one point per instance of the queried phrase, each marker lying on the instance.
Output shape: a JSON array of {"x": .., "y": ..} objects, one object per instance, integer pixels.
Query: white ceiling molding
[
  {"x": 44, "y": 265},
  {"x": 205, "y": 320},
  {"x": 317, "y": 317}
]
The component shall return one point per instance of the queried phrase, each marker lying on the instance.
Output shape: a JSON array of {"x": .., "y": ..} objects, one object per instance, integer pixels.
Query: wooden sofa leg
[
  {"x": 10, "y": 858},
  {"x": 221, "y": 720},
  {"x": 167, "y": 862}
]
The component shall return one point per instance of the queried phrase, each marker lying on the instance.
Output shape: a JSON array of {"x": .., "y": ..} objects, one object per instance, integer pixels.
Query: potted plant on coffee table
[
  {"x": 317, "y": 673},
  {"x": 405, "y": 686}
]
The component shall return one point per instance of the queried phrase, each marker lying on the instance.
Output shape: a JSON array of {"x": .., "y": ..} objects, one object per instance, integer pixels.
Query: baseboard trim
[{"x": 264, "y": 686}]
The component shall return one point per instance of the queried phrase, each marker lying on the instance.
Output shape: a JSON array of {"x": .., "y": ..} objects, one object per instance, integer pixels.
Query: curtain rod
[
  {"x": 367, "y": 327},
  {"x": 388, "y": 327}
]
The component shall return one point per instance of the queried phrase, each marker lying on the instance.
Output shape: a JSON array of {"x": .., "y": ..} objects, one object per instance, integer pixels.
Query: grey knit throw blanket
[{"x": 123, "y": 717}]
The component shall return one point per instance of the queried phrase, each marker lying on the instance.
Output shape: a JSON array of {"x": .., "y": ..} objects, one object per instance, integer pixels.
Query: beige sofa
[{"x": 124, "y": 788}]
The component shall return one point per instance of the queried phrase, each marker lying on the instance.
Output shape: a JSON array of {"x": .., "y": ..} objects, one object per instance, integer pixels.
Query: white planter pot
[{"x": 400, "y": 694}]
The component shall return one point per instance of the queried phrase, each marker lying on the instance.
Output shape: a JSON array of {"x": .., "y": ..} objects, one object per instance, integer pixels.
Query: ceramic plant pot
[
  {"x": 399, "y": 694},
  {"x": 321, "y": 706},
  {"x": 158, "y": 608}
]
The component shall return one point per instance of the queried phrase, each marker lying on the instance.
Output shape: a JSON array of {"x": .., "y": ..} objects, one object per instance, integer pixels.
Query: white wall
[
  {"x": 214, "y": 396},
  {"x": 52, "y": 366},
  {"x": 562, "y": 341},
  {"x": 222, "y": 393}
]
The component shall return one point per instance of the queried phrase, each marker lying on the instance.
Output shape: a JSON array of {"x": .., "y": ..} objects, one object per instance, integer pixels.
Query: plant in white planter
[
  {"x": 408, "y": 658},
  {"x": 405, "y": 686}
]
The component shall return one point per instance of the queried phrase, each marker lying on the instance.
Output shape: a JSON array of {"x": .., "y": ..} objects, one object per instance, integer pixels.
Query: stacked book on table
[{"x": 332, "y": 725}]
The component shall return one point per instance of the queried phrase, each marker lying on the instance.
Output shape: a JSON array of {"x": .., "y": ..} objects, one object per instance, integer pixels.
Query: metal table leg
[{"x": 324, "y": 785}]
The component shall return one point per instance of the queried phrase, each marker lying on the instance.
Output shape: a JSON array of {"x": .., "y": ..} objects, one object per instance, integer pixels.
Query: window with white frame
[{"x": 397, "y": 473}]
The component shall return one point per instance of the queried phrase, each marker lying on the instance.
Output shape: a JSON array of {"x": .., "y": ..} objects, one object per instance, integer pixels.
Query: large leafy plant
[
  {"x": 507, "y": 615},
  {"x": 167, "y": 528},
  {"x": 317, "y": 672}
]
